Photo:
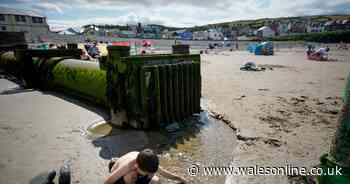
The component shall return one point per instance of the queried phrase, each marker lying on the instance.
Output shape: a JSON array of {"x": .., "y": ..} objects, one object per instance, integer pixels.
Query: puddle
[{"x": 205, "y": 142}]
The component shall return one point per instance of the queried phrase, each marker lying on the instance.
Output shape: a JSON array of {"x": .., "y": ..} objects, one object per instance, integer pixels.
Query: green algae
[{"x": 90, "y": 83}]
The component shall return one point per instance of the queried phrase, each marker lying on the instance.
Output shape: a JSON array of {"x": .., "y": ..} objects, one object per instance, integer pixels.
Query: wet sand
[
  {"x": 284, "y": 115},
  {"x": 39, "y": 131}
]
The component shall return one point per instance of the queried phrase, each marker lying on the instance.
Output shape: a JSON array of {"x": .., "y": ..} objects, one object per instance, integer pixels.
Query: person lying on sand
[
  {"x": 320, "y": 55},
  {"x": 138, "y": 168}
]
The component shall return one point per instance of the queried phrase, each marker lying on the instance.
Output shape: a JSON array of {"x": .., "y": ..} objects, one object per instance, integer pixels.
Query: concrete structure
[{"x": 29, "y": 22}]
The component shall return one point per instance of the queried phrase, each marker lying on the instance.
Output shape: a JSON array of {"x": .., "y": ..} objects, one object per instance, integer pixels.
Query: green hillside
[
  {"x": 260, "y": 22},
  {"x": 243, "y": 23}
]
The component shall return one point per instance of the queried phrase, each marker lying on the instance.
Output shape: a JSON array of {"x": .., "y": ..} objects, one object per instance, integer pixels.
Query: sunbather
[{"x": 320, "y": 55}]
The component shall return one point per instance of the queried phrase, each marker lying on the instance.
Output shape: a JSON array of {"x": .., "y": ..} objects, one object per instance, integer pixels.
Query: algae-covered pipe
[{"x": 78, "y": 77}]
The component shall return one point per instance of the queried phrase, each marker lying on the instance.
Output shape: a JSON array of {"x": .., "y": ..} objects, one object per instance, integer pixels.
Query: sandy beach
[{"x": 283, "y": 115}]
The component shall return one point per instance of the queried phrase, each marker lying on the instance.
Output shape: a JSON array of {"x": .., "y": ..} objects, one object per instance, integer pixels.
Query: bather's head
[
  {"x": 147, "y": 162},
  {"x": 327, "y": 49}
]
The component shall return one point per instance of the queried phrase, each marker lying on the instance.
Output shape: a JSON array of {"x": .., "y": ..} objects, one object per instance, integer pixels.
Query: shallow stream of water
[{"x": 202, "y": 141}]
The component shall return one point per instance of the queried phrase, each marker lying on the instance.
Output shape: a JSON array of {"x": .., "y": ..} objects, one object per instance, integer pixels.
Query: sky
[{"x": 177, "y": 13}]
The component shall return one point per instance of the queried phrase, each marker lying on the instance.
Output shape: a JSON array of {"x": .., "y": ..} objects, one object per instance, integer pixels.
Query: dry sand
[{"x": 286, "y": 115}]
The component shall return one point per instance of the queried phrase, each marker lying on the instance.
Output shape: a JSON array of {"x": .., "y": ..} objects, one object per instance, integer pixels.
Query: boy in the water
[{"x": 138, "y": 168}]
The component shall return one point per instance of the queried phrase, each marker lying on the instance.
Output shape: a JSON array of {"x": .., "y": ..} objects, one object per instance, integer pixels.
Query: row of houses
[
  {"x": 128, "y": 31},
  {"x": 269, "y": 29},
  {"x": 149, "y": 32},
  {"x": 300, "y": 26}
]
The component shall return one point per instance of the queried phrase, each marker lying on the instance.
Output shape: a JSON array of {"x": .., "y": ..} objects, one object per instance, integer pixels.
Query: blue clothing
[{"x": 140, "y": 180}]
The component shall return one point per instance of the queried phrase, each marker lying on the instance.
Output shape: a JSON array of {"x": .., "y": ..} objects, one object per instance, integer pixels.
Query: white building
[
  {"x": 70, "y": 31},
  {"x": 265, "y": 31},
  {"x": 29, "y": 22},
  {"x": 200, "y": 35}
]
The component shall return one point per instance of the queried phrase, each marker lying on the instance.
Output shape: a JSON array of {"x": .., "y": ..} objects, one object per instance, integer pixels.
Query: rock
[
  {"x": 333, "y": 111},
  {"x": 240, "y": 98},
  {"x": 65, "y": 174},
  {"x": 297, "y": 100},
  {"x": 110, "y": 165},
  {"x": 319, "y": 103},
  {"x": 329, "y": 98},
  {"x": 242, "y": 138},
  {"x": 246, "y": 135},
  {"x": 174, "y": 127},
  {"x": 273, "y": 119},
  {"x": 263, "y": 89},
  {"x": 50, "y": 177},
  {"x": 216, "y": 115},
  {"x": 166, "y": 155},
  {"x": 222, "y": 118},
  {"x": 273, "y": 142},
  {"x": 330, "y": 111}
]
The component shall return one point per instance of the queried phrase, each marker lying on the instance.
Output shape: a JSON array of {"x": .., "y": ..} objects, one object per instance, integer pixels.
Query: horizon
[{"x": 180, "y": 14}]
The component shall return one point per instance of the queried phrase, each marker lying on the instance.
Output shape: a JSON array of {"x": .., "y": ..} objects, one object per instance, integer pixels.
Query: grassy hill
[
  {"x": 260, "y": 22},
  {"x": 255, "y": 24},
  {"x": 324, "y": 37}
]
